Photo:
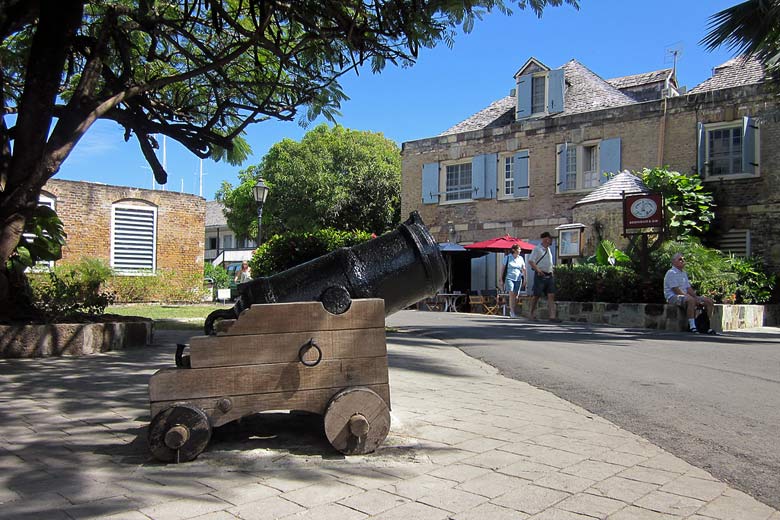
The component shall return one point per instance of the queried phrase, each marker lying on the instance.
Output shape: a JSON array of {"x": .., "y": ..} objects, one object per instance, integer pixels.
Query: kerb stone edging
[{"x": 73, "y": 339}]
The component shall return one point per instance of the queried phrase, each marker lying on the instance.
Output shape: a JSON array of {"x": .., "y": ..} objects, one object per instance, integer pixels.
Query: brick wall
[
  {"x": 643, "y": 128},
  {"x": 85, "y": 210}
]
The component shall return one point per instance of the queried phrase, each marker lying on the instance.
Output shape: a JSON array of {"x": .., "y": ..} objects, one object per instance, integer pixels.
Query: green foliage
[
  {"x": 687, "y": 205},
  {"x": 287, "y": 250},
  {"x": 217, "y": 273},
  {"x": 598, "y": 283},
  {"x": 334, "y": 177},
  {"x": 166, "y": 285},
  {"x": 44, "y": 241},
  {"x": 753, "y": 284},
  {"x": 608, "y": 254},
  {"x": 72, "y": 289}
]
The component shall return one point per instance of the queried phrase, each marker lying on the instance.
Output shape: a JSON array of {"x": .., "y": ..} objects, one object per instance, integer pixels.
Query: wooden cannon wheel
[
  {"x": 357, "y": 421},
  {"x": 179, "y": 433}
]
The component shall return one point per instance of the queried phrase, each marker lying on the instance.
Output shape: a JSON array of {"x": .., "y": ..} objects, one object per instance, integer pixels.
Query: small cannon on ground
[{"x": 311, "y": 338}]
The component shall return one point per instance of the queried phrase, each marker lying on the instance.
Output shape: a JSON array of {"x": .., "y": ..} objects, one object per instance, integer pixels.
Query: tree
[
  {"x": 197, "y": 71},
  {"x": 751, "y": 28},
  {"x": 334, "y": 178},
  {"x": 687, "y": 205}
]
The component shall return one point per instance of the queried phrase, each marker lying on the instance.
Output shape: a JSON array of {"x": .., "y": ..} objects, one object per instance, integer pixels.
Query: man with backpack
[{"x": 678, "y": 291}]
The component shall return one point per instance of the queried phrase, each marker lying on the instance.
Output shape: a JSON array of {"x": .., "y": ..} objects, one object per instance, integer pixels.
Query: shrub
[
  {"x": 72, "y": 289},
  {"x": 217, "y": 273},
  {"x": 590, "y": 282},
  {"x": 166, "y": 285},
  {"x": 287, "y": 250}
]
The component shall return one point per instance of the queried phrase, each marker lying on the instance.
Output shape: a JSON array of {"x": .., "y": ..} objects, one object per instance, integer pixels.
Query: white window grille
[
  {"x": 133, "y": 237},
  {"x": 458, "y": 182},
  {"x": 509, "y": 177},
  {"x": 539, "y": 94}
]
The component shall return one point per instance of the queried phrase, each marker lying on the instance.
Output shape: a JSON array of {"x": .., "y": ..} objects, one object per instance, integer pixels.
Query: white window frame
[
  {"x": 545, "y": 90},
  {"x": 709, "y": 127},
  {"x": 228, "y": 236},
  {"x": 580, "y": 183},
  {"x": 139, "y": 206},
  {"x": 443, "y": 182},
  {"x": 506, "y": 175}
]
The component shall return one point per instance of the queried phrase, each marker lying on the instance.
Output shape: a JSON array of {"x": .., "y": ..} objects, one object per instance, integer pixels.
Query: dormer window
[
  {"x": 539, "y": 94},
  {"x": 539, "y": 90}
]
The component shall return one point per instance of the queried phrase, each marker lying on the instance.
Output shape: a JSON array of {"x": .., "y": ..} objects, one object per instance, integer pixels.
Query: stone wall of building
[{"x": 85, "y": 209}]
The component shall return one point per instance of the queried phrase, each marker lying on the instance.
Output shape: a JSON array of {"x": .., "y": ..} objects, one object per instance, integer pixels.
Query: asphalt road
[{"x": 712, "y": 401}]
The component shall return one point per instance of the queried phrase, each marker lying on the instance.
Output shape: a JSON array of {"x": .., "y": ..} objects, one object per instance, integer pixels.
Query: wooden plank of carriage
[
  {"x": 172, "y": 384},
  {"x": 215, "y": 351},
  {"x": 270, "y": 318},
  {"x": 225, "y": 408}
]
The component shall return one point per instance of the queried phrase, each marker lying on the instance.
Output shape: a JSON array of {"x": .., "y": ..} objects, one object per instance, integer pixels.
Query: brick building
[
  {"x": 527, "y": 163},
  {"x": 132, "y": 229}
]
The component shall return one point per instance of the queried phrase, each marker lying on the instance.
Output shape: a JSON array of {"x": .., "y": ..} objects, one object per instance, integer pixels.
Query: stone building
[
  {"x": 223, "y": 247},
  {"x": 521, "y": 165},
  {"x": 132, "y": 229}
]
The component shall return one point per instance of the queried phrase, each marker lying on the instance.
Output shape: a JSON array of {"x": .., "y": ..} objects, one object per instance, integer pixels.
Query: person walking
[
  {"x": 244, "y": 275},
  {"x": 678, "y": 291},
  {"x": 544, "y": 283},
  {"x": 513, "y": 277}
]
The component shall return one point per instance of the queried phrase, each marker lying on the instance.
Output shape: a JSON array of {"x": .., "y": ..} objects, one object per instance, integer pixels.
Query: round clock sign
[{"x": 643, "y": 208}]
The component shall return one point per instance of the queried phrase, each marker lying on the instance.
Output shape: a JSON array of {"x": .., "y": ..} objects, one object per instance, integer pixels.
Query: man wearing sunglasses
[{"x": 678, "y": 291}]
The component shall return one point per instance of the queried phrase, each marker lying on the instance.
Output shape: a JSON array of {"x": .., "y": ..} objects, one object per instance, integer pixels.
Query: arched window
[{"x": 133, "y": 236}]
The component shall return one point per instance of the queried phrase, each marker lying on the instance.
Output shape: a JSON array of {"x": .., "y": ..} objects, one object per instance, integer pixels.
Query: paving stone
[
  {"x": 564, "y": 482},
  {"x": 448, "y": 436},
  {"x": 488, "y": 511},
  {"x": 413, "y": 511},
  {"x": 136, "y": 515},
  {"x": 480, "y": 445},
  {"x": 331, "y": 512},
  {"x": 89, "y": 491},
  {"x": 695, "y": 488},
  {"x": 364, "y": 478},
  {"x": 373, "y": 502},
  {"x": 453, "y": 500},
  {"x": 460, "y": 472},
  {"x": 267, "y": 509},
  {"x": 622, "y": 489},
  {"x": 494, "y": 459},
  {"x": 185, "y": 508},
  {"x": 529, "y": 470},
  {"x": 544, "y": 454},
  {"x": 667, "y": 462},
  {"x": 419, "y": 486},
  {"x": 668, "y": 503},
  {"x": 637, "y": 513},
  {"x": 101, "y": 508},
  {"x": 322, "y": 493},
  {"x": 245, "y": 493},
  {"x": 591, "y": 505},
  {"x": 529, "y": 498},
  {"x": 620, "y": 458},
  {"x": 649, "y": 475},
  {"x": 593, "y": 469},
  {"x": 736, "y": 506},
  {"x": 217, "y": 515},
  {"x": 560, "y": 514},
  {"x": 491, "y": 485}
]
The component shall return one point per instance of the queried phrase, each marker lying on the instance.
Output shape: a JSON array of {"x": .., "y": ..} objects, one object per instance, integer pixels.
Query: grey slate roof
[
  {"x": 585, "y": 92},
  {"x": 214, "y": 215},
  {"x": 635, "y": 80},
  {"x": 613, "y": 189},
  {"x": 736, "y": 72}
]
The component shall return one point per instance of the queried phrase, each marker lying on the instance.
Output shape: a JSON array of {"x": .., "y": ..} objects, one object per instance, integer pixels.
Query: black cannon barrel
[{"x": 401, "y": 267}]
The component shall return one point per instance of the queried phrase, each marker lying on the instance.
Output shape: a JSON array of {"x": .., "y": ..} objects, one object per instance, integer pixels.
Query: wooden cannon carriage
[{"x": 311, "y": 338}]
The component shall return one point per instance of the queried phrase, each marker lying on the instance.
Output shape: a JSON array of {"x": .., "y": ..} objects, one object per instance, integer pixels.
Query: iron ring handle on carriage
[{"x": 305, "y": 348}]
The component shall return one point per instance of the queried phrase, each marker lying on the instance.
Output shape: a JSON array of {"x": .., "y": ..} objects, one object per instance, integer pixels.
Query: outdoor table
[{"x": 451, "y": 300}]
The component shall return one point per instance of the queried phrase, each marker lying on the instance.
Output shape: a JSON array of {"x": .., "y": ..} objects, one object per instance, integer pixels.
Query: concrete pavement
[{"x": 466, "y": 443}]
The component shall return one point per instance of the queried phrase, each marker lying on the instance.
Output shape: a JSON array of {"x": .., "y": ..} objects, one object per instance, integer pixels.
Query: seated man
[{"x": 678, "y": 291}]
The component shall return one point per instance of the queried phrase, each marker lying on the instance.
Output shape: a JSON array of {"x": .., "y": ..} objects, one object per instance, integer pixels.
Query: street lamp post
[{"x": 260, "y": 193}]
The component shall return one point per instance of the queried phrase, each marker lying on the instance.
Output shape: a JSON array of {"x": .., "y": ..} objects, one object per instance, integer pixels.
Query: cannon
[{"x": 311, "y": 338}]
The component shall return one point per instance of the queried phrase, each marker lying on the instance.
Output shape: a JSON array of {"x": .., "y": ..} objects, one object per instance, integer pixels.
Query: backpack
[{"x": 702, "y": 320}]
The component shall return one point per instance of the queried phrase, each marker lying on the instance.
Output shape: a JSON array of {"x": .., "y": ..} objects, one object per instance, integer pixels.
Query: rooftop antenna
[
  {"x": 165, "y": 158},
  {"x": 200, "y": 179},
  {"x": 672, "y": 53}
]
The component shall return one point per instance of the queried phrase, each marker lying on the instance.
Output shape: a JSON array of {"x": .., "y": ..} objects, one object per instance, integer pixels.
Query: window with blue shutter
[
  {"x": 520, "y": 175},
  {"x": 749, "y": 133},
  {"x": 430, "y": 183},
  {"x": 563, "y": 162},
  {"x": 523, "y": 97},
  {"x": 609, "y": 156},
  {"x": 483, "y": 176},
  {"x": 701, "y": 157},
  {"x": 555, "y": 86}
]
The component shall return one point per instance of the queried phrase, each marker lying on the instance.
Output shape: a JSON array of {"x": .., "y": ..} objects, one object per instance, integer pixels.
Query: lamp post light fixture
[{"x": 260, "y": 193}]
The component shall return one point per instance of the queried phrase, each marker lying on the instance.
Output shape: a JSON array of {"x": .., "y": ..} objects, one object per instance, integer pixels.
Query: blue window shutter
[
  {"x": 478, "y": 177},
  {"x": 563, "y": 150},
  {"x": 555, "y": 86},
  {"x": 524, "y": 97},
  {"x": 478, "y": 268},
  {"x": 430, "y": 183},
  {"x": 490, "y": 271},
  {"x": 520, "y": 174},
  {"x": 749, "y": 133},
  {"x": 701, "y": 158},
  {"x": 491, "y": 173},
  {"x": 609, "y": 158}
]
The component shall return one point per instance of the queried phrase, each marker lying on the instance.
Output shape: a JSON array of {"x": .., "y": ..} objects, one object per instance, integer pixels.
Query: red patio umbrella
[{"x": 501, "y": 244}]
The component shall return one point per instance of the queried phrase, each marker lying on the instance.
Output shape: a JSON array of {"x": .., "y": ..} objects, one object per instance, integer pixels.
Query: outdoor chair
[
  {"x": 476, "y": 302},
  {"x": 490, "y": 301},
  {"x": 434, "y": 303}
]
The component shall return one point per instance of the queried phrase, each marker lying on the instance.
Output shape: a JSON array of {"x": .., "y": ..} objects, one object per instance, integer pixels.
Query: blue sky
[{"x": 610, "y": 37}]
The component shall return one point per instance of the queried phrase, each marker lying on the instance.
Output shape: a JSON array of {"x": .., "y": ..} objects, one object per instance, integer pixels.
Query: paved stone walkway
[{"x": 465, "y": 444}]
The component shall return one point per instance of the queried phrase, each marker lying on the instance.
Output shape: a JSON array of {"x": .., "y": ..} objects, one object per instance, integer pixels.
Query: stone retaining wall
[
  {"x": 72, "y": 339},
  {"x": 657, "y": 316}
]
